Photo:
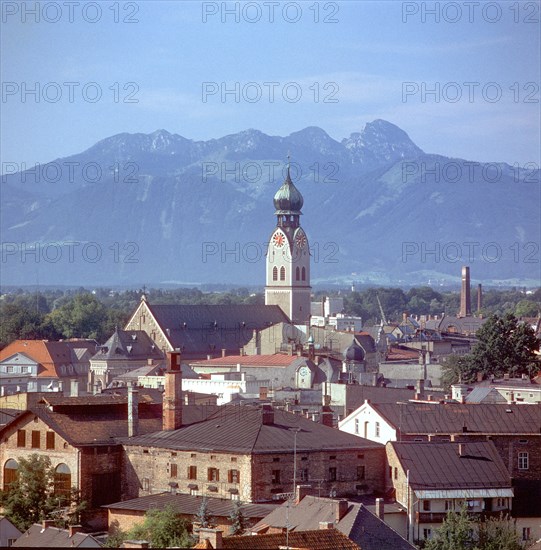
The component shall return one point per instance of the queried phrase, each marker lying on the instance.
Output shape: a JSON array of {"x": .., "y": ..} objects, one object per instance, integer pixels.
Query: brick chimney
[
  {"x": 479, "y": 297},
  {"x": 420, "y": 389},
  {"x": 380, "y": 509},
  {"x": 465, "y": 298},
  {"x": 46, "y": 523},
  {"x": 72, "y": 529},
  {"x": 340, "y": 509},
  {"x": 214, "y": 536},
  {"x": 301, "y": 491},
  {"x": 133, "y": 412},
  {"x": 267, "y": 415},
  {"x": 327, "y": 416},
  {"x": 326, "y": 525},
  {"x": 172, "y": 397}
]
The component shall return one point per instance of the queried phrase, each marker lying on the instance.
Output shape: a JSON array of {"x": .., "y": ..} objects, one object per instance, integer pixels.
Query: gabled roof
[
  {"x": 240, "y": 429},
  {"x": 83, "y": 426},
  {"x": 49, "y": 355},
  {"x": 485, "y": 418},
  {"x": 276, "y": 360},
  {"x": 358, "y": 523},
  {"x": 189, "y": 505},
  {"x": 127, "y": 345},
  {"x": 197, "y": 329},
  {"x": 53, "y": 537},
  {"x": 441, "y": 466}
]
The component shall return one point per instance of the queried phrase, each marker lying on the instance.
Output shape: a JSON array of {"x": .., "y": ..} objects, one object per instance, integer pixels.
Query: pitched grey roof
[
  {"x": 190, "y": 505},
  {"x": 433, "y": 418},
  {"x": 239, "y": 428},
  {"x": 133, "y": 345},
  {"x": 53, "y": 537},
  {"x": 359, "y": 524},
  {"x": 440, "y": 465},
  {"x": 195, "y": 329}
]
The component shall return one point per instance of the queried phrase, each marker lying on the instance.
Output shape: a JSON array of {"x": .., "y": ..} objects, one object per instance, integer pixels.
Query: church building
[{"x": 288, "y": 257}]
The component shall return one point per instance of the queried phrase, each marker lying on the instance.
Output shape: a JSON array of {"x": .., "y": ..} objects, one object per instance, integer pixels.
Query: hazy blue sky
[{"x": 362, "y": 61}]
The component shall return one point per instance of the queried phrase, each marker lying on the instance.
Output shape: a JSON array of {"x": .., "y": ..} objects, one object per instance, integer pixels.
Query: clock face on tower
[
  {"x": 278, "y": 239},
  {"x": 304, "y": 371},
  {"x": 300, "y": 239}
]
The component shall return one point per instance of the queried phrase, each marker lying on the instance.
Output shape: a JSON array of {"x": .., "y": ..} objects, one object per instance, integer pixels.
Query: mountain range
[{"x": 160, "y": 208}]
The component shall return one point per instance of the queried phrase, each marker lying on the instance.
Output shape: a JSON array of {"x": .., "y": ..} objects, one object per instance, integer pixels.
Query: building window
[
  {"x": 523, "y": 463},
  {"x": 304, "y": 474},
  {"x": 21, "y": 438},
  {"x": 146, "y": 484},
  {"x": 213, "y": 474},
  {"x": 174, "y": 470},
  {"x": 193, "y": 455},
  {"x": 526, "y": 533},
  {"x": 35, "y": 439},
  {"x": 332, "y": 457},
  {"x": 192, "y": 472},
  {"x": 10, "y": 473},
  {"x": 297, "y": 273},
  {"x": 360, "y": 473},
  {"x": 377, "y": 429},
  {"x": 303, "y": 276},
  {"x": 427, "y": 534},
  {"x": 448, "y": 505},
  {"x": 274, "y": 273},
  {"x": 276, "y": 459},
  {"x": 282, "y": 273},
  {"x": 233, "y": 459},
  {"x": 62, "y": 481},
  {"x": 275, "y": 477},
  {"x": 332, "y": 474},
  {"x": 426, "y": 506},
  {"x": 356, "y": 425},
  {"x": 396, "y": 473},
  {"x": 234, "y": 476},
  {"x": 49, "y": 440}
]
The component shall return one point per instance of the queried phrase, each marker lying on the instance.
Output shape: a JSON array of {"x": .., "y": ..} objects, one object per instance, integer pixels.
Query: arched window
[
  {"x": 297, "y": 274},
  {"x": 282, "y": 273},
  {"x": 274, "y": 273},
  {"x": 304, "y": 274},
  {"x": 10, "y": 473},
  {"x": 62, "y": 481}
]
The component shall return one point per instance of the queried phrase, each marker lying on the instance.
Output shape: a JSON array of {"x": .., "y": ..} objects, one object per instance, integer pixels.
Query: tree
[
  {"x": 163, "y": 529},
  {"x": 457, "y": 369},
  {"x": 203, "y": 517},
  {"x": 83, "y": 316},
  {"x": 504, "y": 346},
  {"x": 460, "y": 531},
  {"x": 31, "y": 497},
  {"x": 455, "y": 533},
  {"x": 238, "y": 520}
]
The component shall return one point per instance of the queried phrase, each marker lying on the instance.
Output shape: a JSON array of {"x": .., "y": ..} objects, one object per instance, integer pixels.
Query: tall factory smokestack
[
  {"x": 479, "y": 297},
  {"x": 465, "y": 298},
  {"x": 172, "y": 397}
]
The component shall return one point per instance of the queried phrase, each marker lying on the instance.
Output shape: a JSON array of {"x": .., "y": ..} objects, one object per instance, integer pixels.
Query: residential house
[
  {"x": 45, "y": 535},
  {"x": 8, "y": 533},
  {"x": 430, "y": 479}
]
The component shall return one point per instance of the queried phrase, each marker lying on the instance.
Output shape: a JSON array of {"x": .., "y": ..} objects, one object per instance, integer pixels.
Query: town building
[
  {"x": 43, "y": 365},
  {"x": 123, "y": 352},
  {"x": 430, "y": 479},
  {"x": 46, "y": 535},
  {"x": 8, "y": 533},
  {"x": 126, "y": 514}
]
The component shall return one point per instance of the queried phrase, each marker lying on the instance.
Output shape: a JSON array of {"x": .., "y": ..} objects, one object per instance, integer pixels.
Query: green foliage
[
  {"x": 238, "y": 520},
  {"x": 504, "y": 346},
  {"x": 31, "y": 497},
  {"x": 162, "y": 528},
  {"x": 116, "y": 539},
  {"x": 82, "y": 317},
  {"x": 457, "y": 369},
  {"x": 203, "y": 517},
  {"x": 460, "y": 531}
]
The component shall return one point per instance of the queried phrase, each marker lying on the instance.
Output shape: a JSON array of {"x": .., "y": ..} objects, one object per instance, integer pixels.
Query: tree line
[{"x": 80, "y": 313}]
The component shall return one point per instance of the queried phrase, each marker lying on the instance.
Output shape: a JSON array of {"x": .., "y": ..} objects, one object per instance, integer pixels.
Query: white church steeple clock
[{"x": 288, "y": 257}]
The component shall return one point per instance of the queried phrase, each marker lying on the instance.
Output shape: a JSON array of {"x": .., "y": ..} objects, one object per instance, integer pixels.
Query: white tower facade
[{"x": 288, "y": 257}]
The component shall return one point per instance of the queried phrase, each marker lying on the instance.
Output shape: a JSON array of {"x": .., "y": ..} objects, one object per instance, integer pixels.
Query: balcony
[{"x": 438, "y": 517}]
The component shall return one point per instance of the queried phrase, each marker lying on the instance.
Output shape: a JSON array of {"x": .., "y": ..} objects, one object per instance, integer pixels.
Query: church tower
[{"x": 288, "y": 257}]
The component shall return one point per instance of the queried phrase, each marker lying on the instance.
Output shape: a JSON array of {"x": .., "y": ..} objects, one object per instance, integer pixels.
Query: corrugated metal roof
[
  {"x": 434, "y": 418},
  {"x": 190, "y": 505},
  {"x": 441, "y": 466},
  {"x": 239, "y": 428}
]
